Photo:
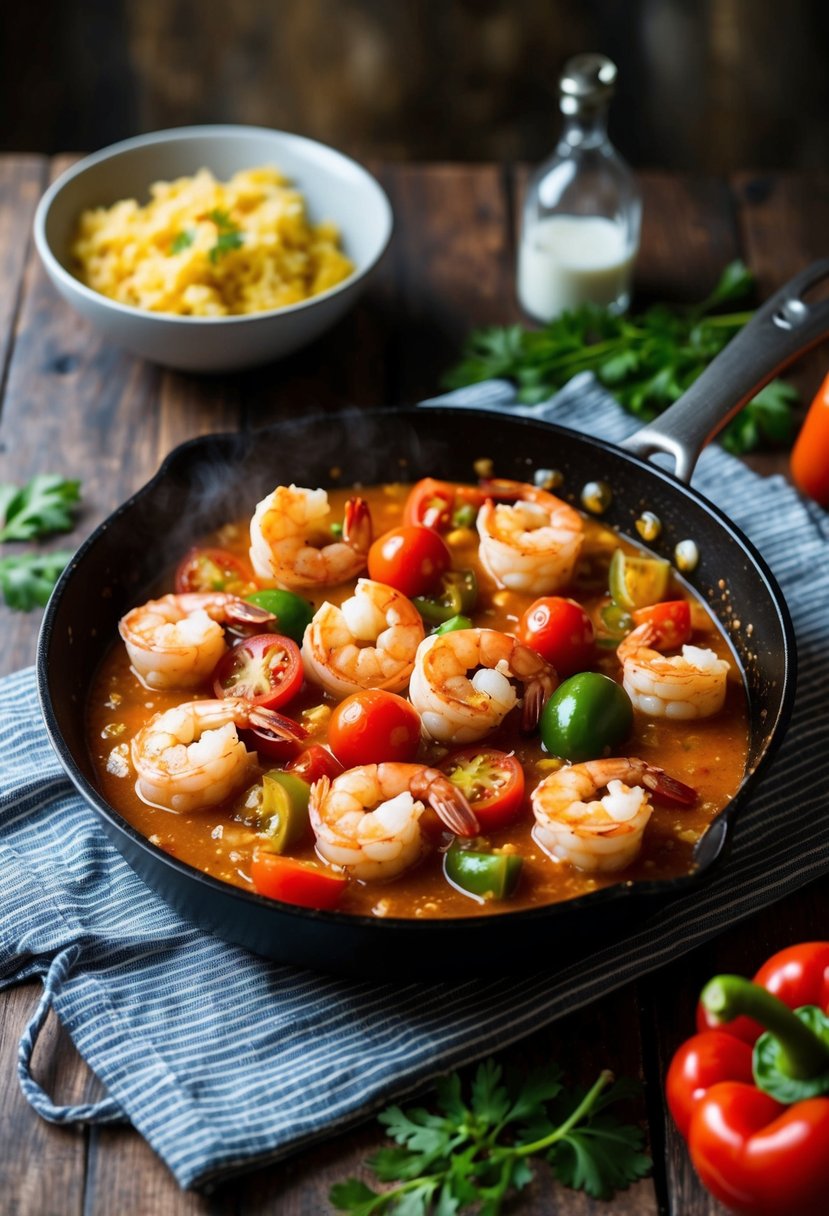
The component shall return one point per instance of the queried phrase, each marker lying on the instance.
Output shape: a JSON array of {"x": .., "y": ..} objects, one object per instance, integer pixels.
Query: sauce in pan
[{"x": 707, "y": 754}]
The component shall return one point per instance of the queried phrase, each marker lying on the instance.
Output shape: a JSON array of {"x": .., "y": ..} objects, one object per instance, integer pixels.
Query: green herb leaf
[
  {"x": 225, "y": 243},
  {"x": 476, "y": 1153},
  {"x": 41, "y": 507},
  {"x": 27, "y": 579},
  {"x": 221, "y": 219},
  {"x": 182, "y": 241},
  {"x": 490, "y": 1100},
  {"x": 601, "y": 1158},
  {"x": 352, "y": 1196},
  {"x": 229, "y": 235},
  {"x": 646, "y": 361}
]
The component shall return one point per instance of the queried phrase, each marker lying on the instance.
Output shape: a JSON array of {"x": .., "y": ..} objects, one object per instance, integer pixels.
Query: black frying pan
[{"x": 207, "y": 481}]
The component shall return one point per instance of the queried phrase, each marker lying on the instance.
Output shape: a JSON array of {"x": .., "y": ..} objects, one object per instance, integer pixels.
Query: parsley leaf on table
[
  {"x": 646, "y": 361},
  {"x": 27, "y": 579},
  {"x": 43, "y": 506},
  {"x": 475, "y": 1150}
]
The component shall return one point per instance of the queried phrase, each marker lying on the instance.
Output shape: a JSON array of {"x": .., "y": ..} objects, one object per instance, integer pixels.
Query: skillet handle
[{"x": 781, "y": 329}]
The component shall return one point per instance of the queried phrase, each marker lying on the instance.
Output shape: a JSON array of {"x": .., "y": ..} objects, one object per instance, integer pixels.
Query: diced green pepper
[
  {"x": 617, "y": 623},
  {"x": 464, "y": 516},
  {"x": 284, "y": 811},
  {"x": 458, "y": 594},
  {"x": 637, "y": 582},
  {"x": 487, "y": 875},
  {"x": 454, "y": 622},
  {"x": 293, "y": 613}
]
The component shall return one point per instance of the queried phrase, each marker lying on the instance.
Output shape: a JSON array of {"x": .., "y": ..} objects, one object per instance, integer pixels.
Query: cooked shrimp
[
  {"x": 367, "y": 820},
  {"x": 368, "y": 642},
  {"x": 455, "y": 708},
  {"x": 190, "y": 757},
  {"x": 291, "y": 545},
  {"x": 175, "y": 642},
  {"x": 690, "y": 685},
  {"x": 605, "y": 833},
  {"x": 532, "y": 544}
]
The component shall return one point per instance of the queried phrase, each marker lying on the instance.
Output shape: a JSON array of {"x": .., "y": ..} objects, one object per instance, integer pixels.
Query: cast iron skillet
[{"x": 209, "y": 480}]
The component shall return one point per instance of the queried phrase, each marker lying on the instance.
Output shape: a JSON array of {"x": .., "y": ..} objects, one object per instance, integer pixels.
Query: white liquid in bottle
[{"x": 568, "y": 260}]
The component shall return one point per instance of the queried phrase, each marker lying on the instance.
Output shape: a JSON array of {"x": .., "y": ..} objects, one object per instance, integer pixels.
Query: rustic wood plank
[
  {"x": 71, "y": 405},
  {"x": 29, "y": 1184},
  {"x": 22, "y": 179},
  {"x": 688, "y": 235},
  {"x": 783, "y": 221},
  {"x": 453, "y": 260}
]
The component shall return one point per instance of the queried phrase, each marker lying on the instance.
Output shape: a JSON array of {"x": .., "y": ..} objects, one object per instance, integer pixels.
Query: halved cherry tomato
[
  {"x": 315, "y": 762},
  {"x": 410, "y": 559},
  {"x": 296, "y": 882},
  {"x": 372, "y": 726},
  {"x": 492, "y": 781},
  {"x": 672, "y": 620},
  {"x": 441, "y": 504},
  {"x": 562, "y": 633},
  {"x": 265, "y": 669},
  {"x": 213, "y": 570}
]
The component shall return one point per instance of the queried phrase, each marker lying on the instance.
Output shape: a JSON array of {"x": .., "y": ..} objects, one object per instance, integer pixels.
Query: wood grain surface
[{"x": 74, "y": 405}]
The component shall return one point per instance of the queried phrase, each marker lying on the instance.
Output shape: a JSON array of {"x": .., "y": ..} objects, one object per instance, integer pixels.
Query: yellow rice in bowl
[{"x": 203, "y": 248}]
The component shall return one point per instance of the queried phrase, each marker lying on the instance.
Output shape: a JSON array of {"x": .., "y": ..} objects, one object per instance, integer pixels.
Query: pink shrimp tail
[
  {"x": 502, "y": 489},
  {"x": 240, "y": 612},
  {"x": 448, "y": 802},
  {"x": 357, "y": 530},
  {"x": 536, "y": 695},
  {"x": 657, "y": 780},
  {"x": 271, "y": 723}
]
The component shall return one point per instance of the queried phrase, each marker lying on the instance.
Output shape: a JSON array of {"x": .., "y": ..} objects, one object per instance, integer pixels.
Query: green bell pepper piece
[
  {"x": 487, "y": 875},
  {"x": 293, "y": 613}
]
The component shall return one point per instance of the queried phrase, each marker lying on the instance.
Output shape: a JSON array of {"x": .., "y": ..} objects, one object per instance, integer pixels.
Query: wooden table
[{"x": 73, "y": 405}]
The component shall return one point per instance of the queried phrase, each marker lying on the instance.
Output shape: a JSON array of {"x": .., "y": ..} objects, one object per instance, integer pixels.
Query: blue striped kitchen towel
[{"x": 224, "y": 1061}]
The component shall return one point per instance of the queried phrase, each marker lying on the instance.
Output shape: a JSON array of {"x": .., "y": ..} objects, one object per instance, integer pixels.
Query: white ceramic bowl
[{"x": 334, "y": 187}]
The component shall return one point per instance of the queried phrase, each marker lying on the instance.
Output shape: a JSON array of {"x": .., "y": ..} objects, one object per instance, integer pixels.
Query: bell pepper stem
[{"x": 801, "y": 1052}]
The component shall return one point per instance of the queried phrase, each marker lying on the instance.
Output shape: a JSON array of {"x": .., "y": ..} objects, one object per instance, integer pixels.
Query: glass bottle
[{"x": 583, "y": 210}]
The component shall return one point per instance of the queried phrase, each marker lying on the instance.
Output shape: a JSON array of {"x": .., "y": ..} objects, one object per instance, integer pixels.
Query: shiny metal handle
[{"x": 783, "y": 328}]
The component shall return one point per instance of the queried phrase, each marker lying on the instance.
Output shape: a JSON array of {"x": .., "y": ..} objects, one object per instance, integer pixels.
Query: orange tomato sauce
[{"x": 707, "y": 754}]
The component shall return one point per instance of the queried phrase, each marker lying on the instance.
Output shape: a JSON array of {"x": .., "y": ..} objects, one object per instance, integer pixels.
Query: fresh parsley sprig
[
  {"x": 27, "y": 579},
  {"x": 42, "y": 507},
  {"x": 647, "y": 361},
  {"x": 476, "y": 1151}
]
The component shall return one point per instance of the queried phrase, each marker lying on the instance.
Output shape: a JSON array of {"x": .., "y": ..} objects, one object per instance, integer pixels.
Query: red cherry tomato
[
  {"x": 672, "y": 620},
  {"x": 562, "y": 633},
  {"x": 372, "y": 726},
  {"x": 411, "y": 559},
  {"x": 492, "y": 781},
  {"x": 315, "y": 762},
  {"x": 265, "y": 669},
  {"x": 433, "y": 503},
  {"x": 213, "y": 570},
  {"x": 294, "y": 882}
]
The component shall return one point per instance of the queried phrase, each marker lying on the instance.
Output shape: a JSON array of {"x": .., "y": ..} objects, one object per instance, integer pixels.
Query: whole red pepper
[{"x": 752, "y": 1105}]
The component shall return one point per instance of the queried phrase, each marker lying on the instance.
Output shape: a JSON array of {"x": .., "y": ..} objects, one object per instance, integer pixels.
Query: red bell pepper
[{"x": 753, "y": 1105}]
